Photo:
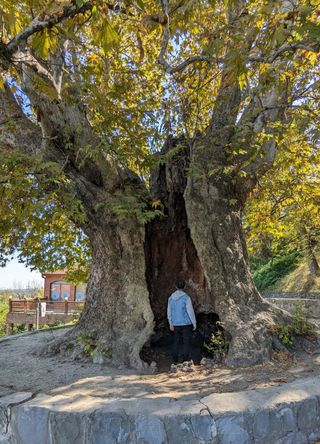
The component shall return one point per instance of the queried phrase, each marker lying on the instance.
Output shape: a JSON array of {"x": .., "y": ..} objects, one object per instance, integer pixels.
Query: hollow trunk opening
[
  {"x": 200, "y": 239},
  {"x": 171, "y": 256}
]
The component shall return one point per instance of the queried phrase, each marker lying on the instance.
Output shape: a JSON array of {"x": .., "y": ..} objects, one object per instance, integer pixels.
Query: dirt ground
[{"x": 21, "y": 369}]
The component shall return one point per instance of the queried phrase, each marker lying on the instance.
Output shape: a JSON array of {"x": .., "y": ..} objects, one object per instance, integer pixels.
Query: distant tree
[{"x": 284, "y": 210}]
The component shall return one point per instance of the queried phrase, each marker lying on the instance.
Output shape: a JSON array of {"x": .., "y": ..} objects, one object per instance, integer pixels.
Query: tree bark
[
  {"x": 200, "y": 239},
  {"x": 214, "y": 205},
  {"x": 117, "y": 309}
]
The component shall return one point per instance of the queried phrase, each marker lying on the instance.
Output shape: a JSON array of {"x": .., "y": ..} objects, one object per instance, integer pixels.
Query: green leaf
[
  {"x": 41, "y": 43},
  {"x": 140, "y": 4},
  {"x": 94, "y": 11},
  {"x": 313, "y": 30}
]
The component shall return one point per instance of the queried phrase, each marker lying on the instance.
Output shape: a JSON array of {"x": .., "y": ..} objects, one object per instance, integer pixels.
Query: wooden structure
[
  {"x": 56, "y": 288},
  {"x": 41, "y": 312},
  {"x": 62, "y": 302}
]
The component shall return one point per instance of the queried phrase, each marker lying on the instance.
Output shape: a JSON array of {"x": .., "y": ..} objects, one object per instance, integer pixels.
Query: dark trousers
[{"x": 181, "y": 332}]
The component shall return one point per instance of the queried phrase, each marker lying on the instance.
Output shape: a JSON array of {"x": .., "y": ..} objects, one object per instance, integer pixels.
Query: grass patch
[
  {"x": 266, "y": 274},
  {"x": 299, "y": 326},
  {"x": 300, "y": 280}
]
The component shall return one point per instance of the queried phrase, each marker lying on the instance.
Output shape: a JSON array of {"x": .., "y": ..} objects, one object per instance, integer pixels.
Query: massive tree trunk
[
  {"x": 200, "y": 239},
  {"x": 117, "y": 309},
  {"x": 214, "y": 208},
  {"x": 133, "y": 271}
]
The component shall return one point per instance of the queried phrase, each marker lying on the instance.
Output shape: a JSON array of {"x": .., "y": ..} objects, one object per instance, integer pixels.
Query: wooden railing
[{"x": 31, "y": 306}]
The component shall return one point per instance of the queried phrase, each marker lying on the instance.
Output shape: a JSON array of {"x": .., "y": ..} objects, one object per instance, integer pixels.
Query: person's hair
[{"x": 181, "y": 284}]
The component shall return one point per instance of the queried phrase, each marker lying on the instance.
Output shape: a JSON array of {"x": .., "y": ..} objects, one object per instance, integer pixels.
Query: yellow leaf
[
  {"x": 45, "y": 41},
  {"x": 13, "y": 23},
  {"x": 242, "y": 79},
  {"x": 156, "y": 203},
  {"x": 107, "y": 38}
]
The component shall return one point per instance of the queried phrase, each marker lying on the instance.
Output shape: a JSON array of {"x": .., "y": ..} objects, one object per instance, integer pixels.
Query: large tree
[{"x": 93, "y": 88}]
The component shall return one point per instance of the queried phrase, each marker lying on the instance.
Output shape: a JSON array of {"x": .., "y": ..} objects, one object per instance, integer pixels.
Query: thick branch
[
  {"x": 42, "y": 22},
  {"x": 16, "y": 130},
  {"x": 287, "y": 47},
  {"x": 27, "y": 59}
]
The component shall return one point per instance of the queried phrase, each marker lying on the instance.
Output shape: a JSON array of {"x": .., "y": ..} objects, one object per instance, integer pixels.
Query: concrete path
[
  {"x": 99, "y": 405},
  {"x": 288, "y": 414}
]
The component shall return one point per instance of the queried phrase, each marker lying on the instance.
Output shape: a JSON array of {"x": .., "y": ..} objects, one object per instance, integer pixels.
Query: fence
[{"x": 31, "y": 306}]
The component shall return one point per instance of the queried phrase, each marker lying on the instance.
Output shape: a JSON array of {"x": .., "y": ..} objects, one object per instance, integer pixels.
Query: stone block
[
  {"x": 179, "y": 430},
  {"x": 293, "y": 438},
  {"x": 30, "y": 424},
  {"x": 4, "y": 421},
  {"x": 233, "y": 430},
  {"x": 308, "y": 415},
  {"x": 67, "y": 428},
  {"x": 204, "y": 427},
  {"x": 270, "y": 424},
  {"x": 150, "y": 430},
  {"x": 6, "y": 403},
  {"x": 110, "y": 428}
]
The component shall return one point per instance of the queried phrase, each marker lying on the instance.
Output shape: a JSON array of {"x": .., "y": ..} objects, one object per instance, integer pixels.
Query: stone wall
[
  {"x": 287, "y": 414},
  {"x": 291, "y": 295},
  {"x": 311, "y": 307}
]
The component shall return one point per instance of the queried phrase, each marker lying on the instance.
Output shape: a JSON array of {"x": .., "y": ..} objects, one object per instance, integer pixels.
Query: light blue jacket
[{"x": 180, "y": 310}]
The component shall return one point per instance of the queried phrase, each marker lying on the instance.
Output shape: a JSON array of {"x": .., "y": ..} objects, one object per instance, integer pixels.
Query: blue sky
[{"x": 16, "y": 275}]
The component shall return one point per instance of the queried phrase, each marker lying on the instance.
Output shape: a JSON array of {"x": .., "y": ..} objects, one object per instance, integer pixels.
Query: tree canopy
[
  {"x": 283, "y": 213},
  {"x": 145, "y": 70}
]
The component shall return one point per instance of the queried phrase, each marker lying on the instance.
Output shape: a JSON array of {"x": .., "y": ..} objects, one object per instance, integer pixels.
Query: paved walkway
[{"x": 75, "y": 403}]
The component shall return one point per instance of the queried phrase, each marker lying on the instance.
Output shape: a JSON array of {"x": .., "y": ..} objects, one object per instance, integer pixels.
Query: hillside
[
  {"x": 299, "y": 280},
  {"x": 288, "y": 273}
]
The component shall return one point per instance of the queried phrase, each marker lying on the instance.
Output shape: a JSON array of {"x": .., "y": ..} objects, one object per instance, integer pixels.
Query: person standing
[{"x": 181, "y": 320}]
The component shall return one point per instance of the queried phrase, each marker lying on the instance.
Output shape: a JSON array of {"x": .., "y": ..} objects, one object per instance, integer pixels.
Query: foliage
[
  {"x": 218, "y": 344},
  {"x": 90, "y": 345},
  {"x": 298, "y": 327},
  {"x": 301, "y": 279},
  {"x": 267, "y": 273},
  {"x": 33, "y": 220},
  {"x": 116, "y": 65},
  {"x": 283, "y": 211},
  {"x": 125, "y": 205},
  {"x": 4, "y": 308}
]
